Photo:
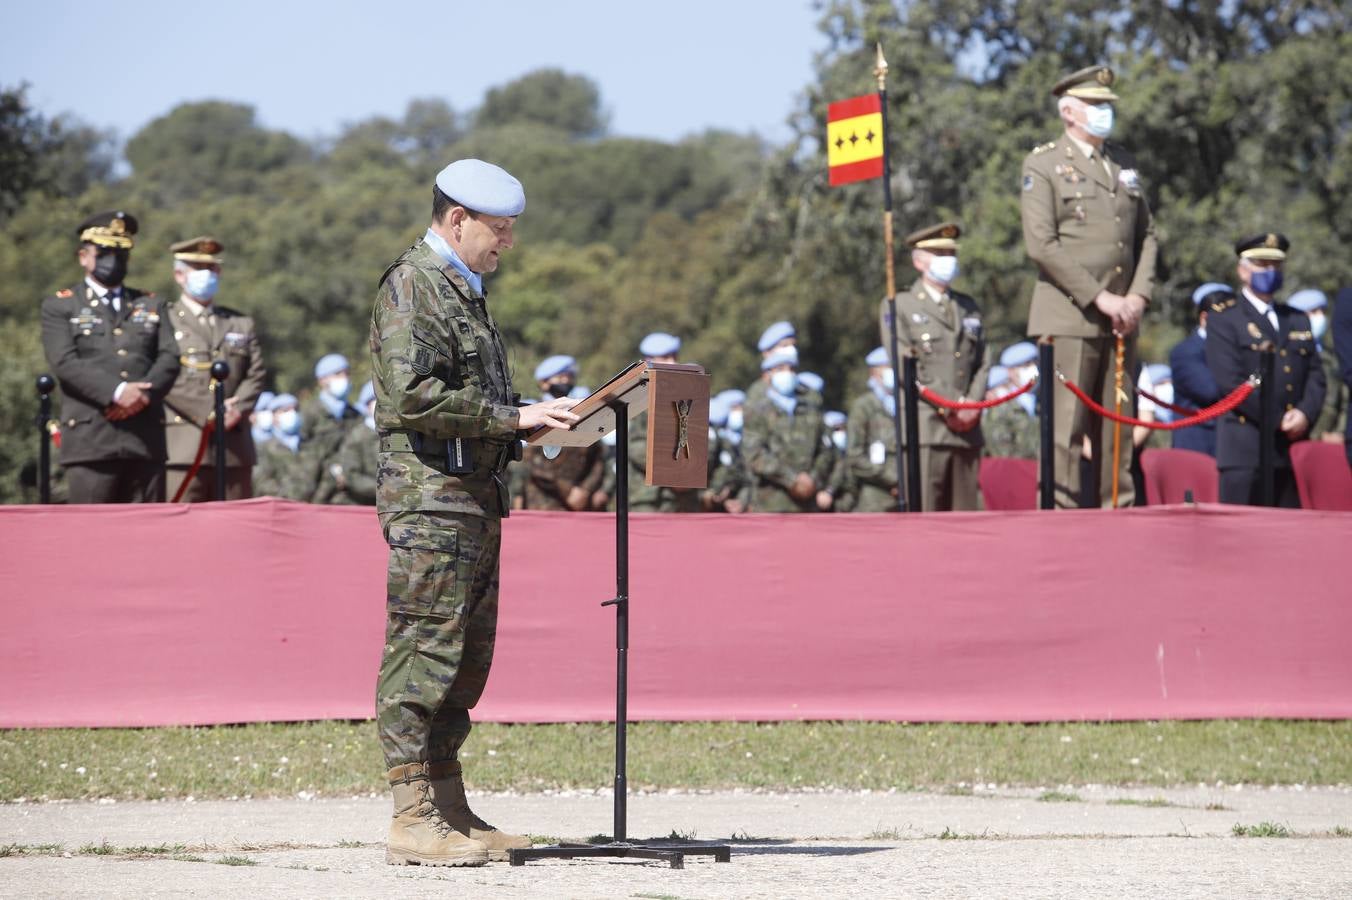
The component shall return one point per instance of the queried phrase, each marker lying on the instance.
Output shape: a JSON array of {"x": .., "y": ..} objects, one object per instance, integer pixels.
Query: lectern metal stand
[{"x": 672, "y": 852}]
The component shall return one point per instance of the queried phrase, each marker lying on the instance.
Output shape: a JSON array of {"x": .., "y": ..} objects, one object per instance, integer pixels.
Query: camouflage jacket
[
  {"x": 357, "y": 464},
  {"x": 778, "y": 446},
  {"x": 872, "y": 453},
  {"x": 550, "y": 480},
  {"x": 440, "y": 373},
  {"x": 1010, "y": 431},
  {"x": 282, "y": 473}
]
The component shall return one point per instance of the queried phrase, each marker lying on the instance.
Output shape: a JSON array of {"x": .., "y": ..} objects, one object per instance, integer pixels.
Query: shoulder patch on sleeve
[
  {"x": 65, "y": 292},
  {"x": 1027, "y": 182},
  {"x": 1222, "y": 305}
]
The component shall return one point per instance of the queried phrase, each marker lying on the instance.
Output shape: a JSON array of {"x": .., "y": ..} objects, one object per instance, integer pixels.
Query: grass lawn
[{"x": 343, "y": 758}]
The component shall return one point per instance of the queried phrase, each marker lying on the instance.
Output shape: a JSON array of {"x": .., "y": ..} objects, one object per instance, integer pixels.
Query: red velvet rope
[
  {"x": 197, "y": 460},
  {"x": 1181, "y": 410},
  {"x": 944, "y": 403},
  {"x": 1220, "y": 408}
]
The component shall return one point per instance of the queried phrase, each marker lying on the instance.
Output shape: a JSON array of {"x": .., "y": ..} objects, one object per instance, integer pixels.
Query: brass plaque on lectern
[{"x": 678, "y": 426}]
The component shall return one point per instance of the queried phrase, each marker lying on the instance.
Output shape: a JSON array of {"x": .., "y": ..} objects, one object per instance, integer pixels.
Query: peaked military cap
[
  {"x": 943, "y": 236},
  {"x": 1270, "y": 246},
  {"x": 109, "y": 229},
  {"x": 198, "y": 250},
  {"x": 1094, "y": 84},
  {"x": 482, "y": 187}
]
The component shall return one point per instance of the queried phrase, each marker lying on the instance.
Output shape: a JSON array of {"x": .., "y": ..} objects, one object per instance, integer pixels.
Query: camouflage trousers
[{"x": 442, "y": 617}]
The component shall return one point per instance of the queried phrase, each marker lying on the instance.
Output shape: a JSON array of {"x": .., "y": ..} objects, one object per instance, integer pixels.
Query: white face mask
[
  {"x": 889, "y": 379},
  {"x": 202, "y": 284},
  {"x": 784, "y": 382},
  {"x": 1098, "y": 120},
  {"x": 943, "y": 269},
  {"x": 263, "y": 420},
  {"x": 338, "y": 387},
  {"x": 288, "y": 421},
  {"x": 838, "y": 438},
  {"x": 1024, "y": 374},
  {"x": 1318, "y": 323},
  {"x": 735, "y": 419}
]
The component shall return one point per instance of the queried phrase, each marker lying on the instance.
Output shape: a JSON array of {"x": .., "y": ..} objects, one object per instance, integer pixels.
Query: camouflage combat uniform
[
  {"x": 778, "y": 446},
  {"x": 282, "y": 472},
  {"x": 357, "y": 465},
  {"x": 872, "y": 453},
  {"x": 447, "y": 420},
  {"x": 1011, "y": 431}
]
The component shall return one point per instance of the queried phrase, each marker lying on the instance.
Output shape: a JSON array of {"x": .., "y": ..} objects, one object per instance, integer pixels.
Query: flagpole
[{"x": 880, "y": 71}]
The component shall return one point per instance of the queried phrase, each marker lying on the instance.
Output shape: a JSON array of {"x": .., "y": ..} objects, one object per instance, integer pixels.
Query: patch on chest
[
  {"x": 1254, "y": 331},
  {"x": 141, "y": 315},
  {"x": 236, "y": 340},
  {"x": 920, "y": 318}
]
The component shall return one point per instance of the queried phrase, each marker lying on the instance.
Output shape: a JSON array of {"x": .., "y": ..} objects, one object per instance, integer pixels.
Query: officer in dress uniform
[
  {"x": 112, "y": 350},
  {"x": 1237, "y": 329},
  {"x": 1087, "y": 226},
  {"x": 449, "y": 426},
  {"x": 1194, "y": 385},
  {"x": 941, "y": 327},
  {"x": 205, "y": 332}
]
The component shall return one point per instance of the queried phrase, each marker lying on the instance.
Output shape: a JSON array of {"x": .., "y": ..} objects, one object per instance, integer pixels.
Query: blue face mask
[
  {"x": 785, "y": 383},
  {"x": 1266, "y": 281},
  {"x": 202, "y": 284},
  {"x": 943, "y": 269},
  {"x": 1098, "y": 120}
]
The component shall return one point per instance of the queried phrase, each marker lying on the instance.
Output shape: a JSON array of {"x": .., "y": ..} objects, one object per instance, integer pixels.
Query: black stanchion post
[
  {"x": 1267, "y": 424},
  {"x": 46, "y": 384},
  {"x": 912, "y": 393},
  {"x": 1046, "y": 374},
  {"x": 621, "y": 602},
  {"x": 220, "y": 370}
]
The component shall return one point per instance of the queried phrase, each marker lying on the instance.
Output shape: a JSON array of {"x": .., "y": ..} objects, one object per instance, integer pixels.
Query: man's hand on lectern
[{"x": 548, "y": 413}]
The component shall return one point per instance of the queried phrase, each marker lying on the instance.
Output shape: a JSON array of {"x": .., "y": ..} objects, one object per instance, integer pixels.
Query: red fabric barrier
[{"x": 268, "y": 610}]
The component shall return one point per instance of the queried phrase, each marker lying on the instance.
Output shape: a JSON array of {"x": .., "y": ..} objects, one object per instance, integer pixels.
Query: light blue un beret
[
  {"x": 482, "y": 187},
  {"x": 774, "y": 334},
  {"x": 998, "y": 375},
  {"x": 555, "y": 365},
  {"x": 331, "y": 364},
  {"x": 283, "y": 401},
  {"x": 1211, "y": 287},
  {"x": 811, "y": 380},
  {"x": 1020, "y": 354},
  {"x": 833, "y": 418},
  {"x": 877, "y": 357},
  {"x": 733, "y": 397},
  {"x": 1159, "y": 372},
  {"x": 368, "y": 393},
  {"x": 781, "y": 356},
  {"x": 1308, "y": 300},
  {"x": 659, "y": 343},
  {"x": 718, "y": 411},
  {"x": 261, "y": 404}
]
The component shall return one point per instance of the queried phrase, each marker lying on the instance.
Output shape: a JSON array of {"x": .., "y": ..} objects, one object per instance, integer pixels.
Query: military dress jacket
[
  {"x": 91, "y": 350},
  {"x": 444, "y": 405},
  {"x": 1088, "y": 229},
  {"x": 224, "y": 334},
  {"x": 1235, "y": 331},
  {"x": 950, "y": 347},
  {"x": 778, "y": 446}
]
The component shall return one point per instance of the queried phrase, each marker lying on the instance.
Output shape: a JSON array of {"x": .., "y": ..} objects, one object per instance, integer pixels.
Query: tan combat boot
[
  {"x": 419, "y": 835},
  {"x": 448, "y": 793}
]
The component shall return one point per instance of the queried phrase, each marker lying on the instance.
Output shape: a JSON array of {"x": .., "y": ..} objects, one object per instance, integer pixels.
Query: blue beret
[
  {"x": 282, "y": 401},
  {"x": 555, "y": 365},
  {"x": 482, "y": 187},
  {"x": 368, "y": 393},
  {"x": 733, "y": 397},
  {"x": 1159, "y": 372},
  {"x": 780, "y": 357},
  {"x": 579, "y": 391},
  {"x": 833, "y": 418},
  {"x": 265, "y": 398},
  {"x": 718, "y": 410},
  {"x": 328, "y": 365},
  {"x": 998, "y": 375},
  {"x": 659, "y": 343},
  {"x": 1020, "y": 354},
  {"x": 774, "y": 334},
  {"x": 877, "y": 357},
  {"x": 1211, "y": 287},
  {"x": 1308, "y": 300},
  {"x": 811, "y": 380}
]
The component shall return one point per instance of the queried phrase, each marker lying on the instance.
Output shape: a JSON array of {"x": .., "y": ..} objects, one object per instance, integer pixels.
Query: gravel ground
[{"x": 996, "y": 842}]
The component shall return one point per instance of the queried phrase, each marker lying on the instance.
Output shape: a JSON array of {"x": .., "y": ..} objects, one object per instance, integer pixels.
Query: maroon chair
[
  {"x": 1008, "y": 483},
  {"x": 1322, "y": 475},
  {"x": 1170, "y": 474}
]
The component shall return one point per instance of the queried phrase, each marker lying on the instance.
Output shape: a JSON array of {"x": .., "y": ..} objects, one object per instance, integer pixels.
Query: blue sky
[{"x": 664, "y": 70}]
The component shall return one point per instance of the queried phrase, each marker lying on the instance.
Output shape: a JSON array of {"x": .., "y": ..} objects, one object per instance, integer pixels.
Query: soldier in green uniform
[
  {"x": 570, "y": 478},
  {"x": 358, "y": 463},
  {"x": 1087, "y": 226},
  {"x": 871, "y": 448},
  {"x": 842, "y": 487},
  {"x": 1011, "y": 429},
  {"x": 449, "y": 425},
  {"x": 112, "y": 350},
  {"x": 942, "y": 328},
  {"x": 205, "y": 332},
  {"x": 658, "y": 347},
  {"x": 326, "y": 418},
  {"x": 729, "y": 482},
  {"x": 1332, "y": 421},
  {"x": 282, "y": 470},
  {"x": 777, "y": 336},
  {"x": 790, "y": 466}
]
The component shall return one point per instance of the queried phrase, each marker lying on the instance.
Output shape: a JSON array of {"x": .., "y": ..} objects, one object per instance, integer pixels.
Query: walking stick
[{"x": 1118, "y": 396}]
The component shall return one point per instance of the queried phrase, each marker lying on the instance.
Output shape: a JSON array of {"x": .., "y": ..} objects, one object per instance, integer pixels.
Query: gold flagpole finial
[{"x": 880, "y": 68}]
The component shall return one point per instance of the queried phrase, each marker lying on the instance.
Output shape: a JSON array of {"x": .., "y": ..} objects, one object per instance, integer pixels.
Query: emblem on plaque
[{"x": 683, "y": 408}]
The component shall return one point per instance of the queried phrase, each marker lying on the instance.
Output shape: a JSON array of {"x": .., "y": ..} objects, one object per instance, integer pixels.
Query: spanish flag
[{"x": 854, "y": 139}]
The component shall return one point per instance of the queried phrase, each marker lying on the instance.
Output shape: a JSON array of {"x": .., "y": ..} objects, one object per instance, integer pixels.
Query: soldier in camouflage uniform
[
  {"x": 571, "y": 478},
  {"x": 326, "y": 419},
  {"x": 729, "y": 482},
  {"x": 842, "y": 487},
  {"x": 789, "y": 465},
  {"x": 871, "y": 448},
  {"x": 282, "y": 469},
  {"x": 777, "y": 336},
  {"x": 662, "y": 348},
  {"x": 1012, "y": 429},
  {"x": 449, "y": 425},
  {"x": 358, "y": 461}
]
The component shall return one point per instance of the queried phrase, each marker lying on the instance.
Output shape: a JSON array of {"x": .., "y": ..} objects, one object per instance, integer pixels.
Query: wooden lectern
[{"x": 676, "y": 398}]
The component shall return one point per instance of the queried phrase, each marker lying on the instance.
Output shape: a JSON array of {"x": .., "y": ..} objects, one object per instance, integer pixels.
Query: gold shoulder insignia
[
  {"x": 65, "y": 292},
  {"x": 1222, "y": 305},
  {"x": 1043, "y": 148}
]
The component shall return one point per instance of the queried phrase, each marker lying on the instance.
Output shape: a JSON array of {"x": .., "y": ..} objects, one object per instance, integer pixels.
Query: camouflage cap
[
  {"x": 943, "y": 236},
  {"x": 109, "y": 229},
  {"x": 202, "y": 249},
  {"x": 1093, "y": 84}
]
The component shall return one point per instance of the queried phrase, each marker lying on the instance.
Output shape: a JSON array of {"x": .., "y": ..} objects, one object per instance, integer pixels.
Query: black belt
[{"x": 461, "y": 456}]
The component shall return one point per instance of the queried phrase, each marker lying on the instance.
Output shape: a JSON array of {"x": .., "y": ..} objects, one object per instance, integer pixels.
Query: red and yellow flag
[{"x": 854, "y": 139}]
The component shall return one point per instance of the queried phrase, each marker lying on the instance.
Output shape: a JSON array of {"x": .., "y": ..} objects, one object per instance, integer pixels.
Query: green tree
[{"x": 549, "y": 97}]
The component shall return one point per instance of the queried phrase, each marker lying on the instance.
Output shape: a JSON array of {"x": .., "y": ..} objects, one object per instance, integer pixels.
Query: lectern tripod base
[{"x": 670, "y": 851}]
